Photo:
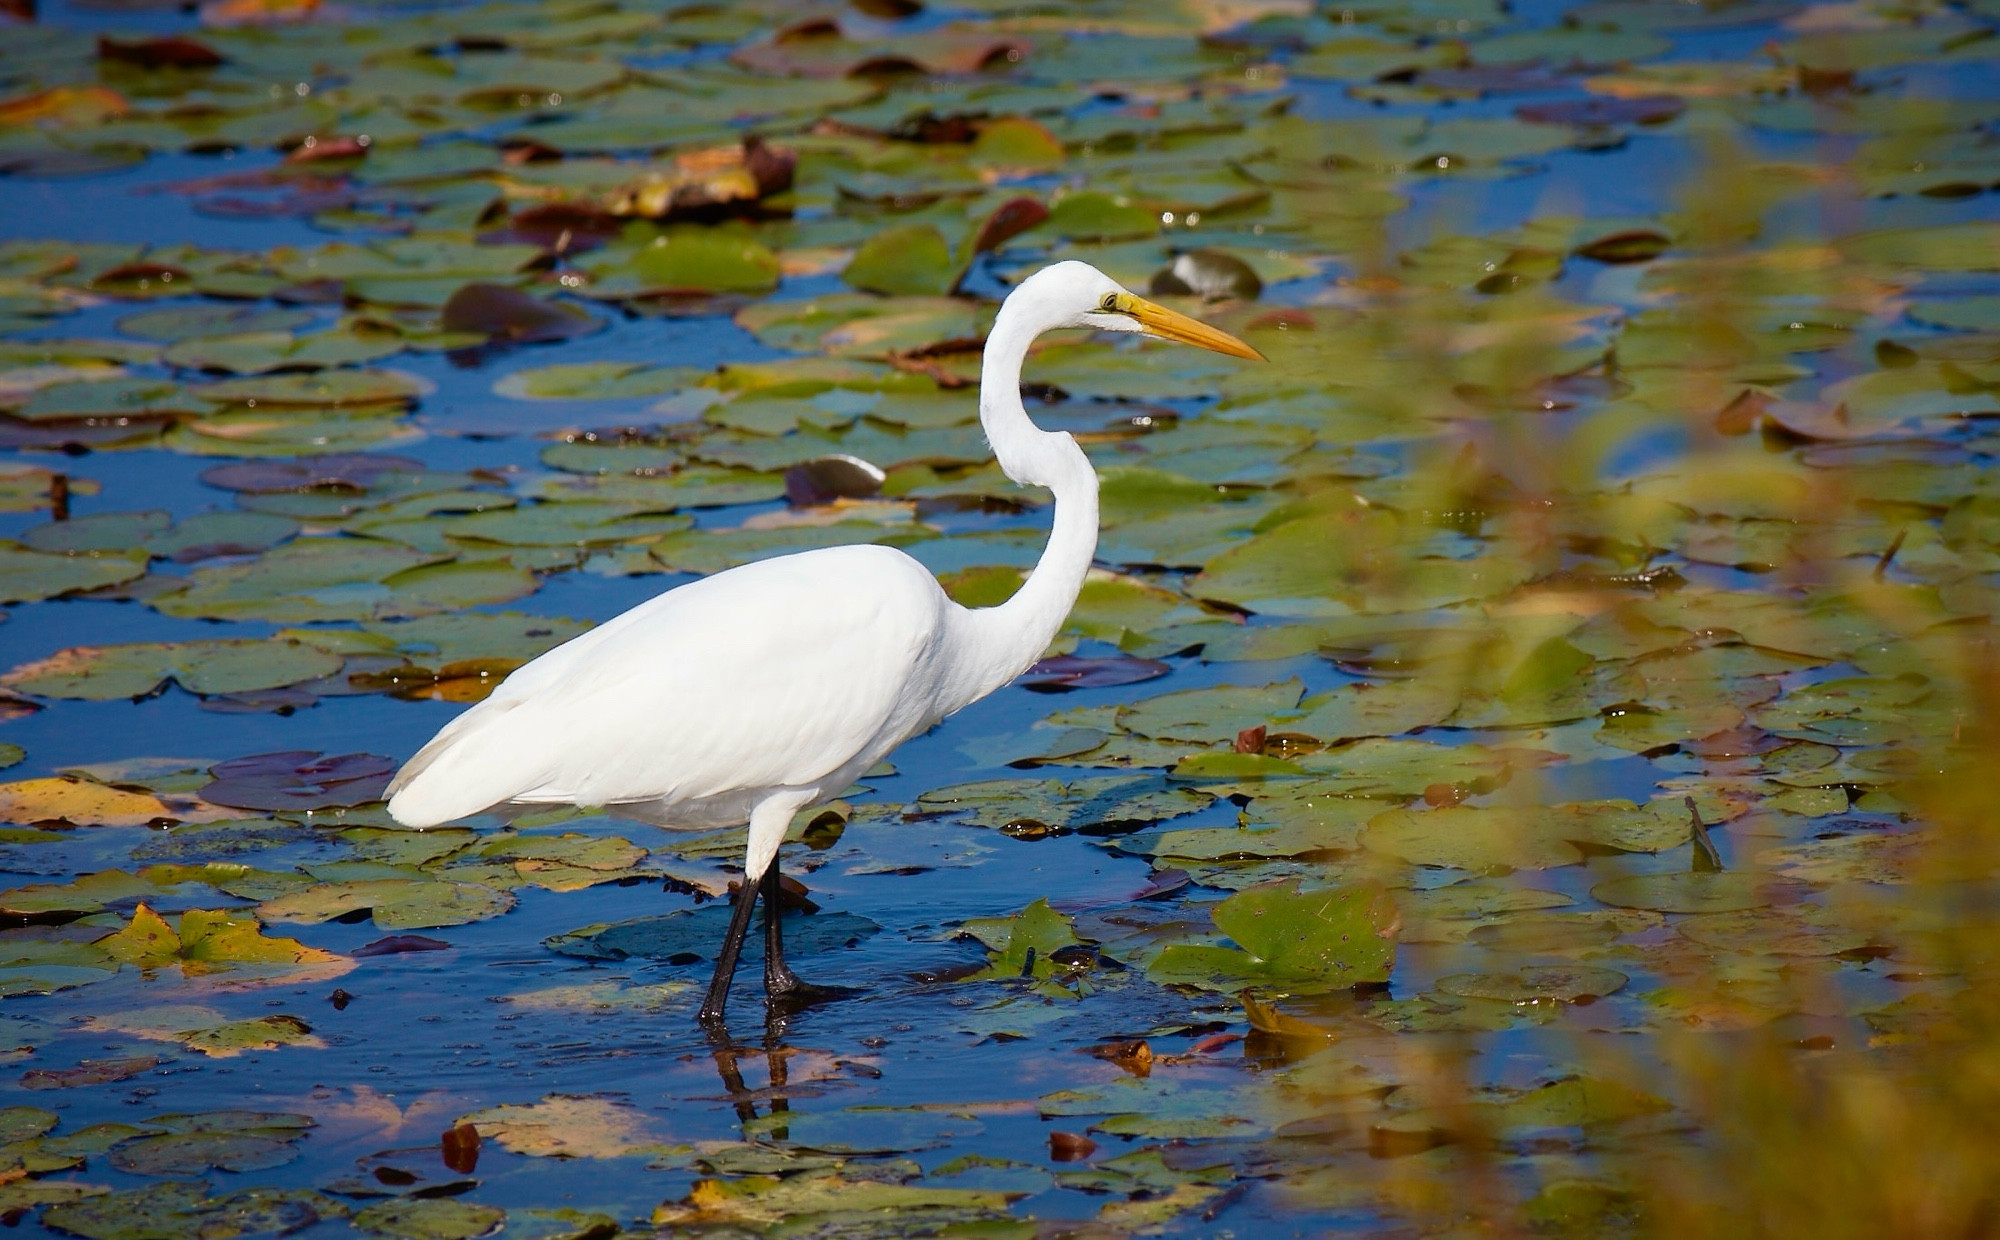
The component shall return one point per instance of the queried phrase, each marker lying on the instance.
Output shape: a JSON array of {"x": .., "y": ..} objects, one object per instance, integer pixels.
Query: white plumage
[{"x": 753, "y": 693}]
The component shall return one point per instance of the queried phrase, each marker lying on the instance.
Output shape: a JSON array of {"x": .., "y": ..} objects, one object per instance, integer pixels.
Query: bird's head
[{"x": 1076, "y": 294}]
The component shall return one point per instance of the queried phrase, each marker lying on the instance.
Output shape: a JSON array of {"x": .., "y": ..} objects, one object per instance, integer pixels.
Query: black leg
[
  {"x": 782, "y": 987},
  {"x": 732, "y": 946},
  {"x": 779, "y": 980}
]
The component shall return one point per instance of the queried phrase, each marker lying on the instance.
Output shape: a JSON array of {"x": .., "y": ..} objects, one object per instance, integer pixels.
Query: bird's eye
[{"x": 1110, "y": 302}]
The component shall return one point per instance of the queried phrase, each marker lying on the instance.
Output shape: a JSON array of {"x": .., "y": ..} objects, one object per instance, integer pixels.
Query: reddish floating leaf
[
  {"x": 509, "y": 314},
  {"x": 564, "y": 227},
  {"x": 1068, "y": 671},
  {"x": 1638, "y": 245},
  {"x": 1070, "y": 1147},
  {"x": 168, "y": 52},
  {"x": 1009, "y": 220},
  {"x": 1739, "y": 742},
  {"x": 314, "y": 149},
  {"x": 396, "y": 944},
  {"x": 1601, "y": 110},
  {"x": 138, "y": 277},
  {"x": 299, "y": 779},
  {"x": 89, "y": 1072},
  {"x": 352, "y": 472}
]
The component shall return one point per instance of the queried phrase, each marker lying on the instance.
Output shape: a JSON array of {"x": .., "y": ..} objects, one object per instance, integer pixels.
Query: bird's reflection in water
[{"x": 777, "y": 1093}]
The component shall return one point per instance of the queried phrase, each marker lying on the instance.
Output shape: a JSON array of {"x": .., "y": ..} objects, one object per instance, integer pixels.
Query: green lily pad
[
  {"x": 1973, "y": 246},
  {"x": 689, "y": 260},
  {"x": 1303, "y": 942},
  {"x": 595, "y": 381},
  {"x": 1797, "y": 930},
  {"x": 915, "y": 260},
  {"x": 1687, "y": 891},
  {"x": 30, "y": 576},
  {"x": 325, "y": 389},
  {"x": 425, "y": 1218},
  {"x": 1469, "y": 837},
  {"x": 343, "y": 579},
  {"x": 1093, "y": 215},
  {"x": 173, "y": 323},
  {"x": 1207, "y": 716},
  {"x": 1037, "y": 805},
  {"x": 1023, "y": 945},
  {"x": 223, "y": 665},
  {"x": 396, "y": 903},
  {"x": 198, "y": 1152}
]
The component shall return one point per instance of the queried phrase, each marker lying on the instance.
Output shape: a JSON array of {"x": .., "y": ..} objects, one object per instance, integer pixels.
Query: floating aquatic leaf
[
  {"x": 228, "y": 665},
  {"x": 904, "y": 261},
  {"x": 1061, "y": 672},
  {"x": 89, "y": 1072},
  {"x": 29, "y": 576},
  {"x": 1538, "y": 983},
  {"x": 1024, "y": 945},
  {"x": 298, "y": 780},
  {"x": 1684, "y": 891},
  {"x": 691, "y": 260},
  {"x": 352, "y": 472},
  {"x": 1205, "y": 716},
  {"x": 81, "y": 803},
  {"x": 395, "y": 903},
  {"x": 325, "y": 389},
  {"x": 197, "y": 1152},
  {"x": 1470, "y": 837},
  {"x": 761, "y": 1200},
  {"x": 1092, "y": 215},
  {"x": 504, "y": 313},
  {"x": 207, "y": 942},
  {"x": 568, "y": 1126},
  {"x": 1292, "y": 940},
  {"x": 427, "y": 1218}
]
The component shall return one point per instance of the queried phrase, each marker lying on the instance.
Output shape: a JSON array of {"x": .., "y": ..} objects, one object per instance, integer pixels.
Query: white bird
[{"x": 754, "y": 693}]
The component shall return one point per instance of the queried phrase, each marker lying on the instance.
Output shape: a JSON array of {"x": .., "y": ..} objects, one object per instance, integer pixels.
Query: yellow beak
[{"x": 1170, "y": 325}]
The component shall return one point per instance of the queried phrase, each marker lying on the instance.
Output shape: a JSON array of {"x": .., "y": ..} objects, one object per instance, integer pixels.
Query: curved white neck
[{"x": 1010, "y": 637}]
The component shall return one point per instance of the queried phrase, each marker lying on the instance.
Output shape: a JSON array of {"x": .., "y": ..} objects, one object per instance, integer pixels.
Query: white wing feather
[{"x": 774, "y": 674}]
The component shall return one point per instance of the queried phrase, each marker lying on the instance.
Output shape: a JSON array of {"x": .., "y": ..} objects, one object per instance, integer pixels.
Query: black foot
[{"x": 789, "y": 994}]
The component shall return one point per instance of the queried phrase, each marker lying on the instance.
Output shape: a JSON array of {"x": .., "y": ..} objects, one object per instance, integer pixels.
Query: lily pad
[
  {"x": 1686, "y": 891},
  {"x": 425, "y": 1218},
  {"x": 1538, "y": 983},
  {"x": 298, "y": 780},
  {"x": 1303, "y": 942},
  {"x": 30, "y": 576},
  {"x": 395, "y": 903},
  {"x": 225, "y": 665},
  {"x": 915, "y": 260}
]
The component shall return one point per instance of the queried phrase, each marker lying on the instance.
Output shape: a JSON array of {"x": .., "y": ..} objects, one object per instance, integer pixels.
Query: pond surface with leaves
[{"x": 1563, "y": 658}]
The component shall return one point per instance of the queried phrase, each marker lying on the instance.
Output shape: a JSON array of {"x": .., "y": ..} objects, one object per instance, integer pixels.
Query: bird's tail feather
[{"x": 473, "y": 764}]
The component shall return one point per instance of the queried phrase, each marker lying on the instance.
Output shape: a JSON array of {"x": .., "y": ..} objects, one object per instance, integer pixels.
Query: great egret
[{"x": 753, "y": 693}]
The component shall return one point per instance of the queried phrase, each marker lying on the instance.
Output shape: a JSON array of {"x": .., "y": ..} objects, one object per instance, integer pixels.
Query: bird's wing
[{"x": 777, "y": 673}]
